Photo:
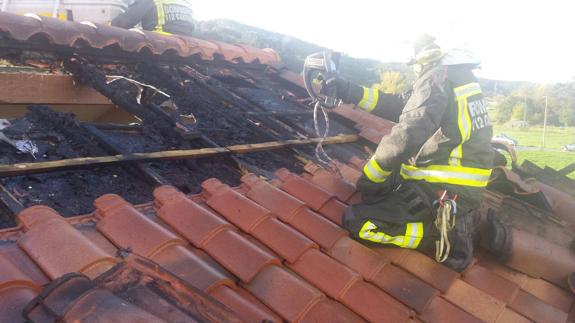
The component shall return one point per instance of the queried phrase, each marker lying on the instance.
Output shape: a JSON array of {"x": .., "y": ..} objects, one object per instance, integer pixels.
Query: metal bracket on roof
[{"x": 23, "y": 146}]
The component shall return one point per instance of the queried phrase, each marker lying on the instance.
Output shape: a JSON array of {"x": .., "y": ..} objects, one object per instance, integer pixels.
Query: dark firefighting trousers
[{"x": 402, "y": 214}]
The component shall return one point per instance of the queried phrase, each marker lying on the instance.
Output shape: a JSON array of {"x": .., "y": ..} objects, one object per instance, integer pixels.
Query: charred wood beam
[
  {"x": 281, "y": 129},
  {"x": 156, "y": 118},
  {"x": 182, "y": 96},
  {"x": 150, "y": 176},
  {"x": 222, "y": 93},
  {"x": 280, "y": 114},
  {"x": 27, "y": 168},
  {"x": 150, "y": 114},
  {"x": 11, "y": 202},
  {"x": 270, "y": 118},
  {"x": 115, "y": 126},
  {"x": 92, "y": 139}
]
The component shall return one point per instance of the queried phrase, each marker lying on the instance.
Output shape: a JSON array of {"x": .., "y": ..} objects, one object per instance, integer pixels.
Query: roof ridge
[{"x": 99, "y": 36}]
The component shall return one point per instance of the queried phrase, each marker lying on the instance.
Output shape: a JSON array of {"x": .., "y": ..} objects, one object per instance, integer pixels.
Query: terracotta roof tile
[
  {"x": 537, "y": 310},
  {"x": 243, "y": 303},
  {"x": 328, "y": 311},
  {"x": 373, "y": 304},
  {"x": 333, "y": 210},
  {"x": 349, "y": 173},
  {"x": 370, "y": 127},
  {"x": 294, "y": 212},
  {"x": 474, "y": 301},
  {"x": 330, "y": 182},
  {"x": 549, "y": 293},
  {"x": 189, "y": 219},
  {"x": 428, "y": 270},
  {"x": 358, "y": 257},
  {"x": 356, "y": 162},
  {"x": 322, "y": 231},
  {"x": 312, "y": 195},
  {"x": 510, "y": 274},
  {"x": 238, "y": 255},
  {"x": 441, "y": 311},
  {"x": 539, "y": 258},
  {"x": 73, "y": 34},
  {"x": 325, "y": 273},
  {"x": 277, "y": 201},
  {"x": 192, "y": 268},
  {"x": 395, "y": 255},
  {"x": 404, "y": 287},
  {"x": 491, "y": 283},
  {"x": 12, "y": 301},
  {"x": 16, "y": 291},
  {"x": 91, "y": 304},
  {"x": 145, "y": 237},
  {"x": 282, "y": 239},
  {"x": 43, "y": 243},
  {"x": 510, "y": 316},
  {"x": 355, "y": 199},
  {"x": 12, "y": 276},
  {"x": 276, "y": 287},
  {"x": 235, "y": 207}
]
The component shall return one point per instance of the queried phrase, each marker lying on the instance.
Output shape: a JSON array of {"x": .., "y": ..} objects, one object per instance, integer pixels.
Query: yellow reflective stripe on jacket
[
  {"x": 462, "y": 94},
  {"x": 411, "y": 239},
  {"x": 374, "y": 172},
  {"x": 161, "y": 16},
  {"x": 161, "y": 13},
  {"x": 369, "y": 100},
  {"x": 456, "y": 175}
]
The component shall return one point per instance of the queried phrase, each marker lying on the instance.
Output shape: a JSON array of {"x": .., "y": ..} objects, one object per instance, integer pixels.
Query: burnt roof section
[
  {"x": 97, "y": 36},
  {"x": 266, "y": 250}
]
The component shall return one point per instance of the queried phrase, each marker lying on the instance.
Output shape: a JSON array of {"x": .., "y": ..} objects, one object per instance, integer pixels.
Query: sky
[{"x": 515, "y": 40}]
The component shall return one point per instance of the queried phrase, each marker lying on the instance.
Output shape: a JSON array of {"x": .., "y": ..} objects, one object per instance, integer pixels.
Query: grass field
[
  {"x": 532, "y": 136},
  {"x": 552, "y": 155}
]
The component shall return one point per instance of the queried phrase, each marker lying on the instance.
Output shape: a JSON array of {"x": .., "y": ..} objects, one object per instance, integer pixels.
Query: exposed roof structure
[{"x": 255, "y": 237}]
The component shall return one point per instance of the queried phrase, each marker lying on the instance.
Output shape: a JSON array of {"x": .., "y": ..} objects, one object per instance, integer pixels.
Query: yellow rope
[{"x": 445, "y": 222}]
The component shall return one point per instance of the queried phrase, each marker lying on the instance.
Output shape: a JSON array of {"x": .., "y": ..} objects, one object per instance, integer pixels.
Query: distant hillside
[
  {"x": 498, "y": 88},
  {"x": 294, "y": 51}
]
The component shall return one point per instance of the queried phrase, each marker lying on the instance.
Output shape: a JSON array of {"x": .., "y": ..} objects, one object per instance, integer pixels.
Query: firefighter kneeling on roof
[
  {"x": 422, "y": 188},
  {"x": 162, "y": 16}
]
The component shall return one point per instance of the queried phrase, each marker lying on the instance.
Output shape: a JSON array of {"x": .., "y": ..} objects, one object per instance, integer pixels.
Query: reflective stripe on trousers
[
  {"x": 369, "y": 100},
  {"x": 462, "y": 95},
  {"x": 456, "y": 175},
  {"x": 374, "y": 172},
  {"x": 411, "y": 239}
]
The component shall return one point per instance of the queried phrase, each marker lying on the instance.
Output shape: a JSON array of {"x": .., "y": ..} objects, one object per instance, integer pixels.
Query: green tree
[
  {"x": 518, "y": 112},
  {"x": 504, "y": 109},
  {"x": 393, "y": 82}
]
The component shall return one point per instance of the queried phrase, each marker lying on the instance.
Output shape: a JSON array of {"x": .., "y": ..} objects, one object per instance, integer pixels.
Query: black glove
[{"x": 338, "y": 85}]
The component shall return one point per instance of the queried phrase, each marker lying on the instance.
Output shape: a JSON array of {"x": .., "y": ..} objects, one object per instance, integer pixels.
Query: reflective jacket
[
  {"x": 163, "y": 16},
  {"x": 443, "y": 132}
]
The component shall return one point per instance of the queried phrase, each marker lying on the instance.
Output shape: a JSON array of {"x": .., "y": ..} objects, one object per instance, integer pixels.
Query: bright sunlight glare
[{"x": 515, "y": 40}]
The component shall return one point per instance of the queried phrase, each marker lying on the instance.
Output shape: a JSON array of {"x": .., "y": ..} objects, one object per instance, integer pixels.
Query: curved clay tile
[{"x": 66, "y": 33}]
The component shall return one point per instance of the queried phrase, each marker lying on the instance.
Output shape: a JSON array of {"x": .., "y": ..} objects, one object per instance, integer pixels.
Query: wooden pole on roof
[{"x": 40, "y": 167}]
